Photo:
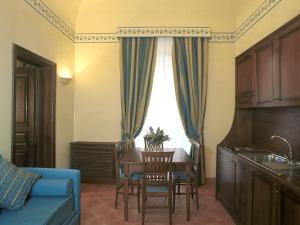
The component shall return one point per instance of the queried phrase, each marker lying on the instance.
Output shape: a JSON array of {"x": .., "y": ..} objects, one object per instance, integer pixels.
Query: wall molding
[
  {"x": 256, "y": 16},
  {"x": 49, "y": 15},
  {"x": 221, "y": 37},
  {"x": 225, "y": 37},
  {"x": 164, "y": 31},
  {"x": 96, "y": 38}
]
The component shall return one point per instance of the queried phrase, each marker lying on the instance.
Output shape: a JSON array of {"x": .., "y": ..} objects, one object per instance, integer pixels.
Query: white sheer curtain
[{"x": 163, "y": 111}]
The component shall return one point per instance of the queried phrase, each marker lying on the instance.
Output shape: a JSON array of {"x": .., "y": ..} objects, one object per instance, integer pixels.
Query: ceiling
[{"x": 68, "y": 10}]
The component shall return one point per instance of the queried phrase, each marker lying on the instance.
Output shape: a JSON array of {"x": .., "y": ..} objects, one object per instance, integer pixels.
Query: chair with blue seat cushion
[
  {"x": 157, "y": 179},
  {"x": 180, "y": 178},
  {"x": 133, "y": 177},
  {"x": 151, "y": 146}
]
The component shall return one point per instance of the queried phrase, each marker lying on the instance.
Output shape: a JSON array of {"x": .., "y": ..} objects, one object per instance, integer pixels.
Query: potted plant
[{"x": 155, "y": 140}]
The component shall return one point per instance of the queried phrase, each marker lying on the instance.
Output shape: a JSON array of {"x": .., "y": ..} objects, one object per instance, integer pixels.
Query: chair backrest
[
  {"x": 157, "y": 167},
  {"x": 120, "y": 150},
  {"x": 151, "y": 146},
  {"x": 195, "y": 156}
]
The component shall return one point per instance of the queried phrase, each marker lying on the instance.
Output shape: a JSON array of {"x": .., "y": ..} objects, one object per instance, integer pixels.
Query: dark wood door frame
[{"x": 20, "y": 53}]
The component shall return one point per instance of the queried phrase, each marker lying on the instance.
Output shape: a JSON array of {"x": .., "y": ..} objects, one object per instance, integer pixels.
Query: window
[{"x": 163, "y": 111}]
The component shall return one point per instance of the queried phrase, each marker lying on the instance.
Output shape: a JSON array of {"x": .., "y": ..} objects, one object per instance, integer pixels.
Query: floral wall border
[
  {"x": 164, "y": 31},
  {"x": 219, "y": 37},
  {"x": 256, "y": 16},
  {"x": 49, "y": 15}
]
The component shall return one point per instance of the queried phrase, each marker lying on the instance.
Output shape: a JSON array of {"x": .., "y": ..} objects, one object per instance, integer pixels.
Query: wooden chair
[
  {"x": 134, "y": 179},
  {"x": 157, "y": 179},
  {"x": 150, "y": 146},
  {"x": 179, "y": 178}
]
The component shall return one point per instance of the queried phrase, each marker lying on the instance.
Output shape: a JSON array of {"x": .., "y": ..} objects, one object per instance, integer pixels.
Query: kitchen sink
[
  {"x": 275, "y": 163},
  {"x": 264, "y": 157}
]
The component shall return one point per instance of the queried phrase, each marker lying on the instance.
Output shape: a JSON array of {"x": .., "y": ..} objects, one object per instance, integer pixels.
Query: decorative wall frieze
[
  {"x": 222, "y": 37},
  {"x": 96, "y": 38},
  {"x": 164, "y": 31},
  {"x": 49, "y": 15},
  {"x": 257, "y": 15}
]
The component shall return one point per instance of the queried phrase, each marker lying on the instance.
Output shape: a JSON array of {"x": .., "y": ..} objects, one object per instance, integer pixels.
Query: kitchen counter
[{"x": 253, "y": 194}]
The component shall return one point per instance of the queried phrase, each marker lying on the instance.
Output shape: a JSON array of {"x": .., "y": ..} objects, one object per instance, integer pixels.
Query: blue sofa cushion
[
  {"x": 40, "y": 211},
  {"x": 15, "y": 185},
  {"x": 52, "y": 187}
]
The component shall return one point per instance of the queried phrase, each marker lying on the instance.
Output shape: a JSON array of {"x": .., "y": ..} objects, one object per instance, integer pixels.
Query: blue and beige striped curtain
[
  {"x": 190, "y": 57},
  {"x": 138, "y": 56}
]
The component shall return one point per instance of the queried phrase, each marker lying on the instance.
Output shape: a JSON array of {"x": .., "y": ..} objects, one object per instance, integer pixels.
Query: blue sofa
[{"x": 54, "y": 200}]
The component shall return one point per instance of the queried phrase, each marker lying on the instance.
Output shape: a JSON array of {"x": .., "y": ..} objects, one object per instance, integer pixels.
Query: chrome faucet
[{"x": 290, "y": 153}]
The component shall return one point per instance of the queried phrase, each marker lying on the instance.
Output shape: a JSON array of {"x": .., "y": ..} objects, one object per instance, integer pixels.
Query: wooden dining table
[{"x": 133, "y": 162}]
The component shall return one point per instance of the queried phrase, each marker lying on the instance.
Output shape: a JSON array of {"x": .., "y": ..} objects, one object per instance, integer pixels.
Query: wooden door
[
  {"x": 24, "y": 141},
  {"x": 33, "y": 110},
  {"x": 262, "y": 200},
  {"x": 245, "y": 80},
  {"x": 242, "y": 195},
  {"x": 264, "y": 72},
  {"x": 226, "y": 179},
  {"x": 289, "y": 61},
  {"x": 45, "y": 119}
]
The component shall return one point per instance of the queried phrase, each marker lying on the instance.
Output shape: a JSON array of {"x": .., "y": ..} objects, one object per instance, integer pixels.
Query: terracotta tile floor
[{"x": 97, "y": 205}]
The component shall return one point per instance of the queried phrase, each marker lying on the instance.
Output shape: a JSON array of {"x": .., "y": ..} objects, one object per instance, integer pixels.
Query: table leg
[
  {"x": 125, "y": 191},
  {"x": 188, "y": 197},
  {"x": 188, "y": 191}
]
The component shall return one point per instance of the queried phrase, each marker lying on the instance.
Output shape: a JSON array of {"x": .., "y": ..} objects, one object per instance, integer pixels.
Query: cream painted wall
[
  {"x": 106, "y": 15},
  {"x": 5, "y": 77},
  {"x": 97, "y": 88},
  {"x": 279, "y": 15},
  {"x": 97, "y": 111},
  {"x": 25, "y": 27}
]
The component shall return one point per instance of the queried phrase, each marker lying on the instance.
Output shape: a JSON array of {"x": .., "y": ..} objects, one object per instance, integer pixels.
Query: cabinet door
[
  {"x": 226, "y": 179},
  {"x": 242, "y": 206},
  {"x": 264, "y": 72},
  {"x": 289, "y": 61},
  {"x": 289, "y": 208},
  {"x": 244, "y": 80},
  {"x": 262, "y": 200}
]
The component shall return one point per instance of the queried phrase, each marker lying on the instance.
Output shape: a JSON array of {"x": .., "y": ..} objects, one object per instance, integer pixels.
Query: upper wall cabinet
[
  {"x": 263, "y": 72},
  {"x": 245, "y": 82},
  {"x": 289, "y": 62},
  {"x": 268, "y": 74}
]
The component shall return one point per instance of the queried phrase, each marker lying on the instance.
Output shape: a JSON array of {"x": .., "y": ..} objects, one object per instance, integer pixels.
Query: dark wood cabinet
[
  {"x": 289, "y": 212},
  {"x": 95, "y": 160},
  {"x": 262, "y": 200},
  {"x": 226, "y": 182},
  {"x": 267, "y": 103},
  {"x": 264, "y": 68},
  {"x": 268, "y": 74},
  {"x": 242, "y": 193},
  {"x": 289, "y": 61},
  {"x": 245, "y": 80},
  {"x": 251, "y": 195}
]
